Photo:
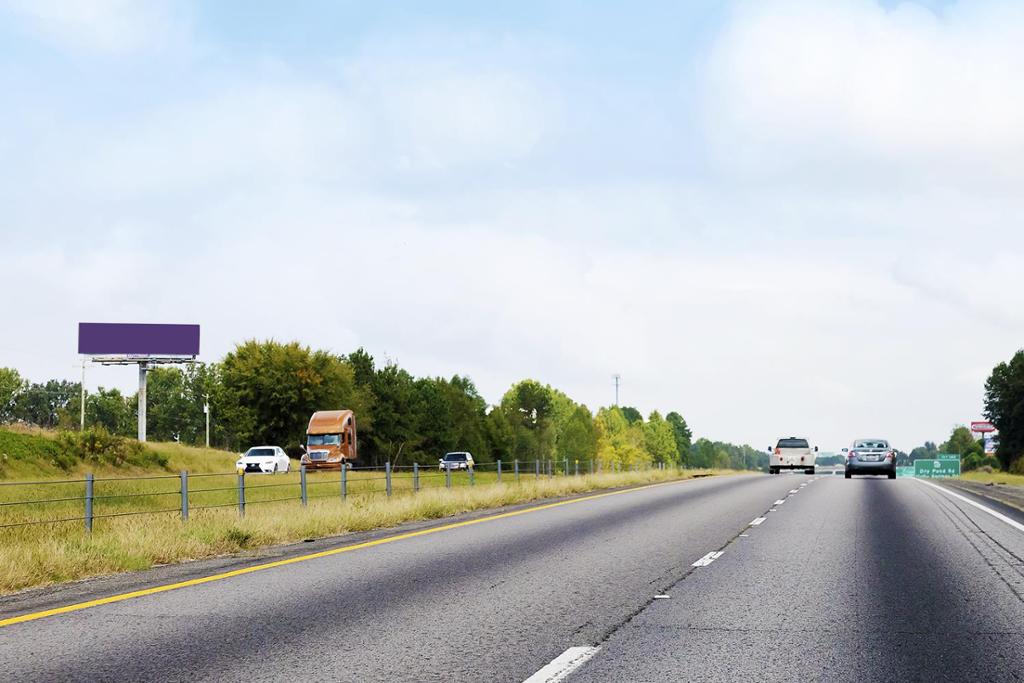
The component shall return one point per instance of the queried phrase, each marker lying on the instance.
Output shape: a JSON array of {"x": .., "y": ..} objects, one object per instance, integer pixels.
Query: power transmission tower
[{"x": 617, "y": 377}]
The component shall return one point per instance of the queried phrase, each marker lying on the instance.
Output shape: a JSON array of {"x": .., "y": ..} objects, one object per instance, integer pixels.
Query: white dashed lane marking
[
  {"x": 708, "y": 559},
  {"x": 563, "y": 665}
]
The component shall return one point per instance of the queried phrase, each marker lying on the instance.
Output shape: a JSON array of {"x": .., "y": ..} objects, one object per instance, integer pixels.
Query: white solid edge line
[
  {"x": 563, "y": 665},
  {"x": 998, "y": 515}
]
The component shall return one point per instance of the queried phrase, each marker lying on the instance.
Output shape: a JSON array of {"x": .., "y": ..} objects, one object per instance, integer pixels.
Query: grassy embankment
[
  {"x": 51, "y": 553},
  {"x": 994, "y": 478}
]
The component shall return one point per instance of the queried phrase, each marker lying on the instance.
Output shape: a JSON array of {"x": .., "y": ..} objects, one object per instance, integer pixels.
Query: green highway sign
[
  {"x": 904, "y": 471},
  {"x": 942, "y": 466},
  {"x": 948, "y": 456}
]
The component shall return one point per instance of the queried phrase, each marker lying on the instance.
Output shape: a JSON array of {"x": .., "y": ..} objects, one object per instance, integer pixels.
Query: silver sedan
[{"x": 870, "y": 456}]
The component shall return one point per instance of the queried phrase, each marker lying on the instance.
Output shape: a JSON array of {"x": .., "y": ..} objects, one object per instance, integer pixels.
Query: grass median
[{"x": 39, "y": 555}]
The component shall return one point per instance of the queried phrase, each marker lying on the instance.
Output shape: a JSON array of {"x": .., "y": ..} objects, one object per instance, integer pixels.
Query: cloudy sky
[{"x": 775, "y": 216}]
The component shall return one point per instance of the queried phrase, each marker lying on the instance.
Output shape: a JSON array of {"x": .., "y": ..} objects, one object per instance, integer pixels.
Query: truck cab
[{"x": 330, "y": 440}]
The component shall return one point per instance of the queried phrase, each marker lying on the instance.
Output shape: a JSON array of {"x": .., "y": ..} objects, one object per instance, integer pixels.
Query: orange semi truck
[{"x": 330, "y": 440}]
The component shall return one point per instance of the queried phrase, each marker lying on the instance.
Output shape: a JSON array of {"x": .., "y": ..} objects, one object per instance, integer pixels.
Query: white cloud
[
  {"x": 848, "y": 86},
  {"x": 243, "y": 135},
  {"x": 102, "y": 26}
]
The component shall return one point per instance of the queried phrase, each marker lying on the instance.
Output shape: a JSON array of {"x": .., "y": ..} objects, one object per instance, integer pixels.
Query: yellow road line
[{"x": 32, "y": 616}]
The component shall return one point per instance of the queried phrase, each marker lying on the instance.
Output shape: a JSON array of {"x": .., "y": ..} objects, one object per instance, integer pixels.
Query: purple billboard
[{"x": 101, "y": 339}]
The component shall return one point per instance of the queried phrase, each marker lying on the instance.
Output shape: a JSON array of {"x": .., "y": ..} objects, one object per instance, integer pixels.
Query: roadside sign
[
  {"x": 991, "y": 444},
  {"x": 904, "y": 471},
  {"x": 948, "y": 466},
  {"x": 982, "y": 427},
  {"x": 947, "y": 456}
]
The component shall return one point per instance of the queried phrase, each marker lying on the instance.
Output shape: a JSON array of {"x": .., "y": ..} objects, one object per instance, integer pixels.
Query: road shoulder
[{"x": 1008, "y": 500}]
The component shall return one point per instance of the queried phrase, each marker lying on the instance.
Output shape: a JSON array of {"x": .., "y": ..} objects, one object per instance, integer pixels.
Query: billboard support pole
[
  {"x": 143, "y": 368},
  {"x": 82, "y": 417}
]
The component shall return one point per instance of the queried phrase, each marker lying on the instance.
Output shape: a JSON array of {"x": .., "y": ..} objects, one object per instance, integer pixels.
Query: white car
[
  {"x": 792, "y": 454},
  {"x": 263, "y": 460},
  {"x": 456, "y": 461}
]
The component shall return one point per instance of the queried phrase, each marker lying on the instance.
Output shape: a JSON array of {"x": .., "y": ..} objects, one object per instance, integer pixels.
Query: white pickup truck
[{"x": 792, "y": 454}]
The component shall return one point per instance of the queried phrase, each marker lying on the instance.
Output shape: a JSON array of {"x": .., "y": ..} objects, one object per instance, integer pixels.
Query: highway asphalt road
[{"x": 860, "y": 580}]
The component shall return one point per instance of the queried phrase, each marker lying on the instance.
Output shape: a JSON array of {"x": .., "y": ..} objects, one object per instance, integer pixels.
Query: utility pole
[
  {"x": 206, "y": 409},
  {"x": 82, "y": 407},
  {"x": 616, "y": 377}
]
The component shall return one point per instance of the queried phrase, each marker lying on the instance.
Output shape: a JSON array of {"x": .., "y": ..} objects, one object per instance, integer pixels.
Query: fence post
[
  {"x": 415, "y": 477},
  {"x": 387, "y": 477},
  {"x": 241, "y": 494},
  {"x": 591, "y": 465},
  {"x": 470, "y": 476},
  {"x": 499, "y": 471},
  {"x": 344, "y": 481},
  {"x": 303, "y": 493},
  {"x": 447, "y": 475},
  {"x": 577, "y": 468},
  {"x": 537, "y": 463},
  {"x": 550, "y": 468},
  {"x": 515, "y": 466},
  {"x": 184, "y": 495},
  {"x": 565, "y": 468},
  {"x": 88, "y": 501}
]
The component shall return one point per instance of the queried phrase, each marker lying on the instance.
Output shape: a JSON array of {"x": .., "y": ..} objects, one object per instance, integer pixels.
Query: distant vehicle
[
  {"x": 263, "y": 460},
  {"x": 792, "y": 454},
  {"x": 330, "y": 440},
  {"x": 456, "y": 461},
  {"x": 870, "y": 456}
]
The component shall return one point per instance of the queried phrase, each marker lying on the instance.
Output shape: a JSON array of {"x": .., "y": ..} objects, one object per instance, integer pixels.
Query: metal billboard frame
[{"x": 143, "y": 360}]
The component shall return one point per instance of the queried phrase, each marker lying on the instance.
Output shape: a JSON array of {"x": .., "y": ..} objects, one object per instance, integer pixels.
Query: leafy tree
[
  {"x": 174, "y": 405},
  {"x": 48, "y": 405},
  {"x": 395, "y": 431},
  {"x": 962, "y": 443},
  {"x": 577, "y": 436},
  {"x": 111, "y": 411},
  {"x": 467, "y": 411},
  {"x": 1004, "y": 406},
  {"x": 620, "y": 442},
  {"x": 631, "y": 414},
  {"x": 171, "y": 414},
  {"x": 927, "y": 452},
  {"x": 659, "y": 439},
  {"x": 682, "y": 434},
  {"x": 452, "y": 418},
  {"x": 501, "y": 438},
  {"x": 362, "y": 367},
  {"x": 11, "y": 384},
  {"x": 529, "y": 408}
]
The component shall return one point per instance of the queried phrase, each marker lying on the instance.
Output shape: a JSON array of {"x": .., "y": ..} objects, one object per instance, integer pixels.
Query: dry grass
[
  {"x": 994, "y": 478},
  {"x": 46, "y": 554}
]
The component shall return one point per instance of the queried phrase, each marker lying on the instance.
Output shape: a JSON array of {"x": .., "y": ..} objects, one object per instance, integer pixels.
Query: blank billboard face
[{"x": 102, "y": 339}]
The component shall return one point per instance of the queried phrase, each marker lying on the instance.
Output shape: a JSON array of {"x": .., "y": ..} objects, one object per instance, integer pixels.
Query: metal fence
[{"x": 94, "y": 498}]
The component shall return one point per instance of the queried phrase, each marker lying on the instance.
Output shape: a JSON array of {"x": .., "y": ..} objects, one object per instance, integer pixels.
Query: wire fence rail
[{"x": 88, "y": 499}]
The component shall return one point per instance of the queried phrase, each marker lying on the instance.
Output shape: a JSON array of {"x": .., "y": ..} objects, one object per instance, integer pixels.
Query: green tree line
[{"x": 263, "y": 392}]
